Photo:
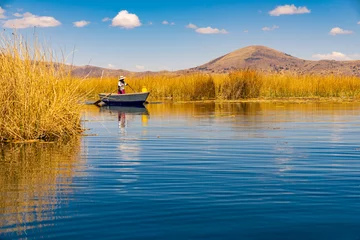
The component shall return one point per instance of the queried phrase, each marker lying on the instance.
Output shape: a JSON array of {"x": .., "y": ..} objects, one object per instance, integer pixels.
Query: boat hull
[{"x": 130, "y": 99}]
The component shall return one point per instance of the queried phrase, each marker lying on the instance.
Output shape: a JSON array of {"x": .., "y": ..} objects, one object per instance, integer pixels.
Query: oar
[
  {"x": 130, "y": 87},
  {"x": 98, "y": 101}
]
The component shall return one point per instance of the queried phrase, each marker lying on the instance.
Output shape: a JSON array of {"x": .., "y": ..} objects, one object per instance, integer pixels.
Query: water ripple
[{"x": 194, "y": 172}]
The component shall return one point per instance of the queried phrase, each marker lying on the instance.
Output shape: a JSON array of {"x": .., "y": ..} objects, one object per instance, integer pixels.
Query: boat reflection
[
  {"x": 126, "y": 109},
  {"x": 126, "y": 113}
]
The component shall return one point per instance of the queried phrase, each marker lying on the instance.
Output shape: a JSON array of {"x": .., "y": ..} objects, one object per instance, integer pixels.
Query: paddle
[
  {"x": 130, "y": 87},
  {"x": 98, "y": 101}
]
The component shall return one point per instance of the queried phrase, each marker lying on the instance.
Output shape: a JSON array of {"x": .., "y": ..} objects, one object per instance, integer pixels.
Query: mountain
[
  {"x": 261, "y": 58},
  {"x": 89, "y": 71},
  {"x": 93, "y": 71},
  {"x": 270, "y": 60}
]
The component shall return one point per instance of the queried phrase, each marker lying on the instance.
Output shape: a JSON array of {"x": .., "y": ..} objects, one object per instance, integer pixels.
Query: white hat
[{"x": 121, "y": 78}]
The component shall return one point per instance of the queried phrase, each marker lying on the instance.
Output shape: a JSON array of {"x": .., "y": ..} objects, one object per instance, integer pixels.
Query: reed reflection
[
  {"x": 263, "y": 121},
  {"x": 281, "y": 110},
  {"x": 35, "y": 180}
]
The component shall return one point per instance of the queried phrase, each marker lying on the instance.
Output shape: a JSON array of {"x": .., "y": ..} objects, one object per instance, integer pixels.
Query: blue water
[{"x": 191, "y": 171}]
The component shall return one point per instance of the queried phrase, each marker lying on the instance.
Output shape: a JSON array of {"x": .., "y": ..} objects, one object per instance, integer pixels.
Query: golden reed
[
  {"x": 39, "y": 99},
  {"x": 243, "y": 84}
]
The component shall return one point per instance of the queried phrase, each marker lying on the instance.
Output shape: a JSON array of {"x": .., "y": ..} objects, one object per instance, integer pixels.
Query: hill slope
[
  {"x": 270, "y": 60},
  {"x": 93, "y": 71},
  {"x": 254, "y": 57},
  {"x": 89, "y": 71}
]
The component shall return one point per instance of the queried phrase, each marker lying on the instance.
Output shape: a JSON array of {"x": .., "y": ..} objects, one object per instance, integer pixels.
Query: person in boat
[
  {"x": 121, "y": 85},
  {"x": 121, "y": 119}
]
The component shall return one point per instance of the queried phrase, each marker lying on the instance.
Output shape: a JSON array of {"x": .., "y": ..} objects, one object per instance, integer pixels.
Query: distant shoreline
[{"x": 271, "y": 100}]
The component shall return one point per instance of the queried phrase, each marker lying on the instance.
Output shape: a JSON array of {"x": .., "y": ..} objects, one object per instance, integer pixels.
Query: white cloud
[
  {"x": 27, "y": 14},
  {"x": 246, "y": 31},
  {"x": 106, "y": 19},
  {"x": 192, "y": 26},
  {"x": 337, "y": 30},
  {"x": 210, "y": 30},
  {"x": 270, "y": 28},
  {"x": 288, "y": 10},
  {"x": 167, "y": 23},
  {"x": 17, "y": 14},
  {"x": 358, "y": 22},
  {"x": 30, "y": 20},
  {"x": 332, "y": 56},
  {"x": 140, "y": 67},
  {"x": 206, "y": 30},
  {"x": 150, "y": 23},
  {"x": 110, "y": 65},
  {"x": 127, "y": 20},
  {"x": 2, "y": 13},
  {"x": 81, "y": 23}
]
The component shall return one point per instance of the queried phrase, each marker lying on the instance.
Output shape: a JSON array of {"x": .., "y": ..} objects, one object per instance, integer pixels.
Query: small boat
[{"x": 128, "y": 99}]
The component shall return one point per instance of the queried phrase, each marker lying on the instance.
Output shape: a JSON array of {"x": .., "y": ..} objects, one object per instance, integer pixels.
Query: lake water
[{"x": 191, "y": 171}]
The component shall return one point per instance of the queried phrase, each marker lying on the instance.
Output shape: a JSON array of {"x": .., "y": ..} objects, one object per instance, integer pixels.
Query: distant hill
[
  {"x": 89, "y": 71},
  {"x": 254, "y": 57},
  {"x": 270, "y": 60},
  {"x": 93, "y": 71}
]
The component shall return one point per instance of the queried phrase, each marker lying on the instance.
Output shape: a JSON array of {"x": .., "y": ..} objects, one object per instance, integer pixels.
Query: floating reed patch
[{"x": 39, "y": 99}]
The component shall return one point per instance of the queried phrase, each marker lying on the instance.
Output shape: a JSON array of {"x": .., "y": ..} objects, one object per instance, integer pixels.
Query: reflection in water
[
  {"x": 124, "y": 113},
  {"x": 194, "y": 171},
  {"x": 121, "y": 119},
  {"x": 34, "y": 181},
  {"x": 267, "y": 121},
  {"x": 278, "y": 111},
  {"x": 128, "y": 148}
]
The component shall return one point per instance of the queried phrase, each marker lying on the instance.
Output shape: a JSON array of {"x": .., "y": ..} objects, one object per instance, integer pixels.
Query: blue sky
[{"x": 156, "y": 35}]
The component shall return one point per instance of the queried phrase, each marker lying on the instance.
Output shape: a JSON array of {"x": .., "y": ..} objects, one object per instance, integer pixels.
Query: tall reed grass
[
  {"x": 241, "y": 84},
  {"x": 236, "y": 85},
  {"x": 39, "y": 99},
  {"x": 178, "y": 87},
  {"x": 293, "y": 85}
]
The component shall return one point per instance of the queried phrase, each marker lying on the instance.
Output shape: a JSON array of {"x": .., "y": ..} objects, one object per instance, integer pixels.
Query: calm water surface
[{"x": 191, "y": 171}]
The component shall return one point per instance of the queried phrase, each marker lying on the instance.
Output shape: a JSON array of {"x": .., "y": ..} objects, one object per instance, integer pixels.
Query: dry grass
[
  {"x": 38, "y": 97},
  {"x": 292, "y": 85},
  {"x": 237, "y": 85},
  {"x": 240, "y": 85},
  {"x": 171, "y": 86}
]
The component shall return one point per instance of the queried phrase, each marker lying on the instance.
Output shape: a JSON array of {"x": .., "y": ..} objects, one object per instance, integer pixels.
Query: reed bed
[
  {"x": 328, "y": 86},
  {"x": 178, "y": 87},
  {"x": 244, "y": 84},
  {"x": 38, "y": 96}
]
